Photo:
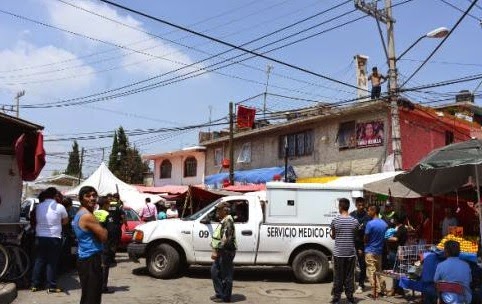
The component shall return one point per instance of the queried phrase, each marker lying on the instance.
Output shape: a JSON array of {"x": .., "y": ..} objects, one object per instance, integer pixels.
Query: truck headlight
[{"x": 138, "y": 236}]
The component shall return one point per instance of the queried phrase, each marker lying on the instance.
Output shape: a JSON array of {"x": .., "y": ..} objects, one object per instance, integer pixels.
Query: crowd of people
[
  {"x": 96, "y": 227},
  {"x": 371, "y": 238}
]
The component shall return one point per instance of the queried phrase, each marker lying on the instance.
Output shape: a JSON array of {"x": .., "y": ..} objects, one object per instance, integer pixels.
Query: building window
[
  {"x": 449, "y": 137},
  {"x": 346, "y": 137},
  {"x": 218, "y": 157},
  {"x": 190, "y": 167},
  {"x": 245, "y": 154},
  {"x": 166, "y": 168},
  {"x": 298, "y": 144}
]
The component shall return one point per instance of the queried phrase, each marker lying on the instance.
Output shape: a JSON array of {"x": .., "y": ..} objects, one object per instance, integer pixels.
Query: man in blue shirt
[
  {"x": 374, "y": 243},
  {"x": 454, "y": 270}
]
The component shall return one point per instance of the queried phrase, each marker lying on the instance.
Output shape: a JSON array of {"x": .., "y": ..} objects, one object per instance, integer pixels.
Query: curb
[{"x": 8, "y": 292}]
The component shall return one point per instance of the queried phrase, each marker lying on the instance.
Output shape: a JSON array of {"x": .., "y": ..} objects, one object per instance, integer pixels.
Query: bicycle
[
  {"x": 4, "y": 260},
  {"x": 19, "y": 263}
]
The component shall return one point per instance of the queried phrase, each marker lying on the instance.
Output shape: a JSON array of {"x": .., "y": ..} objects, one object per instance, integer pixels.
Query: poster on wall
[{"x": 369, "y": 134}]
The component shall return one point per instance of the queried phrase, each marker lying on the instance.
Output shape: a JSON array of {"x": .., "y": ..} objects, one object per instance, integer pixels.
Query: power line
[
  {"x": 460, "y": 10},
  {"x": 441, "y": 42},
  {"x": 141, "y": 41},
  {"x": 228, "y": 43},
  {"x": 69, "y": 102}
]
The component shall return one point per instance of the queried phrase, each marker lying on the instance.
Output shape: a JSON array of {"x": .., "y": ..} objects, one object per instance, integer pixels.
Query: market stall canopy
[
  {"x": 246, "y": 188},
  {"x": 197, "y": 198},
  {"x": 446, "y": 169},
  {"x": 354, "y": 181},
  {"x": 254, "y": 176},
  {"x": 104, "y": 181},
  {"x": 168, "y": 189},
  {"x": 389, "y": 187}
]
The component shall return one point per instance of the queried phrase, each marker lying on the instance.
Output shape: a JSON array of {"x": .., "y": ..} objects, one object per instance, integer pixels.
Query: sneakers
[
  {"x": 55, "y": 290},
  {"x": 34, "y": 289},
  {"x": 359, "y": 289}
]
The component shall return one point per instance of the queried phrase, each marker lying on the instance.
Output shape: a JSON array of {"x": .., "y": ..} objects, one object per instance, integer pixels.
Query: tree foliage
[
  {"x": 125, "y": 161},
  {"x": 73, "y": 167}
]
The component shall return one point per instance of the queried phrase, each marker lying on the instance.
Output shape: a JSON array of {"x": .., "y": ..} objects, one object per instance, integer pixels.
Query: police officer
[
  {"x": 105, "y": 219},
  {"x": 224, "y": 249},
  {"x": 117, "y": 213}
]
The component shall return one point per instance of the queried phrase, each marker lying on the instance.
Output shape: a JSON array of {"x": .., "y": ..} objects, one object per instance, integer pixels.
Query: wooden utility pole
[{"x": 231, "y": 144}]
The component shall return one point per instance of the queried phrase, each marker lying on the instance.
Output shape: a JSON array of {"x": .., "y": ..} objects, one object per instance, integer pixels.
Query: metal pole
[
  {"x": 231, "y": 144},
  {"x": 478, "y": 200},
  {"x": 268, "y": 71},
  {"x": 17, "y": 101},
  {"x": 393, "y": 90},
  {"x": 286, "y": 158}
]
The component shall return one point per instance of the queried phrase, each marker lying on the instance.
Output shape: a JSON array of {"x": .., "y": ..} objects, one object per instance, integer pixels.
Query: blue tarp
[{"x": 254, "y": 176}]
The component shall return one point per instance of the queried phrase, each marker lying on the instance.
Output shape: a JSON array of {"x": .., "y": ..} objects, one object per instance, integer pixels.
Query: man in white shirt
[
  {"x": 172, "y": 212},
  {"x": 49, "y": 215},
  {"x": 449, "y": 221}
]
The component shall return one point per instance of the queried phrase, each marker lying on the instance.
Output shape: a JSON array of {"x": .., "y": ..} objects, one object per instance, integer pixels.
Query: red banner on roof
[
  {"x": 30, "y": 154},
  {"x": 245, "y": 117}
]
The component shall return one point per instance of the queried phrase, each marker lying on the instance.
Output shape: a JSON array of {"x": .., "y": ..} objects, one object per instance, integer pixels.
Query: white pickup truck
[{"x": 286, "y": 225}]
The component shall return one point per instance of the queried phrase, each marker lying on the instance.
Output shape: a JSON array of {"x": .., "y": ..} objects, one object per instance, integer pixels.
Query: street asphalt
[{"x": 132, "y": 284}]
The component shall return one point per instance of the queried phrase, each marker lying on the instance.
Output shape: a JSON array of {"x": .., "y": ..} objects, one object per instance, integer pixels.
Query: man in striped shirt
[{"x": 343, "y": 231}]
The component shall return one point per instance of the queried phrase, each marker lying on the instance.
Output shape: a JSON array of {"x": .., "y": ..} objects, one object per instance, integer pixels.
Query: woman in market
[{"x": 424, "y": 228}]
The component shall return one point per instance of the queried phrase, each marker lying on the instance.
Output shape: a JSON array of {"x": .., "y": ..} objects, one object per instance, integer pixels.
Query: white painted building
[{"x": 182, "y": 167}]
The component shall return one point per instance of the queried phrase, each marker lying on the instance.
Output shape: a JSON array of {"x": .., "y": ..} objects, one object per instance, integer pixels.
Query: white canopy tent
[{"x": 104, "y": 181}]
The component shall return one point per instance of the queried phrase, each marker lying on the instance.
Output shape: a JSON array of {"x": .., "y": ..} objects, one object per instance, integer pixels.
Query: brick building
[{"x": 349, "y": 140}]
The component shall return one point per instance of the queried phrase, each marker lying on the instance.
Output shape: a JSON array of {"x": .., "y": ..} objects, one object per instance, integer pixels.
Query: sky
[{"x": 79, "y": 53}]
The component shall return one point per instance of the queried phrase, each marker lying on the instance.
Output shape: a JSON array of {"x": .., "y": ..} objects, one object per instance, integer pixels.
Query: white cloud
[
  {"x": 79, "y": 21},
  {"x": 23, "y": 67}
]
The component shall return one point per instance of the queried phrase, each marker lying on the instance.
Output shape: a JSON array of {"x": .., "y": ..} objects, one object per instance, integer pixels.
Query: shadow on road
[
  {"x": 236, "y": 297},
  {"x": 251, "y": 274}
]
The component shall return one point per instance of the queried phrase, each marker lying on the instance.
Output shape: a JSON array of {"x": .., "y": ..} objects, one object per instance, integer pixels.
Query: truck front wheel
[
  {"x": 163, "y": 261},
  {"x": 310, "y": 266}
]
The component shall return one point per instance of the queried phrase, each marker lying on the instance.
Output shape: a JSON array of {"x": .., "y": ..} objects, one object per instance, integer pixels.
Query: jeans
[
  {"x": 222, "y": 272},
  {"x": 391, "y": 259},
  {"x": 376, "y": 91},
  {"x": 46, "y": 256},
  {"x": 90, "y": 277},
  {"x": 363, "y": 266}
]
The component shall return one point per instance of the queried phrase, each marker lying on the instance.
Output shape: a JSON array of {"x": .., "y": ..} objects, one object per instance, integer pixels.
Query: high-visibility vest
[
  {"x": 101, "y": 215},
  {"x": 217, "y": 235}
]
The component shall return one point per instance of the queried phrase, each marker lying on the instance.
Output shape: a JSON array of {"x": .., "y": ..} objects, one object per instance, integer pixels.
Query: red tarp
[
  {"x": 245, "y": 117},
  {"x": 246, "y": 188},
  {"x": 169, "y": 189},
  {"x": 30, "y": 154}
]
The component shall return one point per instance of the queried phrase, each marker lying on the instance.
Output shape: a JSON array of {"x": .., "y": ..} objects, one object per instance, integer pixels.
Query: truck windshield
[{"x": 198, "y": 214}]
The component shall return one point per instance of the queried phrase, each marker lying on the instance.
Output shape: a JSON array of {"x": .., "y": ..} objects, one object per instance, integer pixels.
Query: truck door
[
  {"x": 246, "y": 234},
  {"x": 201, "y": 237}
]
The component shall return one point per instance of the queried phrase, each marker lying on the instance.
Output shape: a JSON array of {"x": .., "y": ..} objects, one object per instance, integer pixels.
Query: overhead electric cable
[
  {"x": 69, "y": 101},
  {"x": 227, "y": 43},
  {"x": 441, "y": 42}
]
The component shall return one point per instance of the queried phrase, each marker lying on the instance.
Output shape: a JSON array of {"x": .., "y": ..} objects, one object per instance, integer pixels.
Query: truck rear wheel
[
  {"x": 163, "y": 261},
  {"x": 310, "y": 266}
]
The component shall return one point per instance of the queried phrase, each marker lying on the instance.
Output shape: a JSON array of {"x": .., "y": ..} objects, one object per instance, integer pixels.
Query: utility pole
[
  {"x": 17, "y": 100},
  {"x": 210, "y": 117},
  {"x": 81, "y": 164},
  {"x": 268, "y": 71},
  {"x": 231, "y": 144},
  {"x": 385, "y": 16}
]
